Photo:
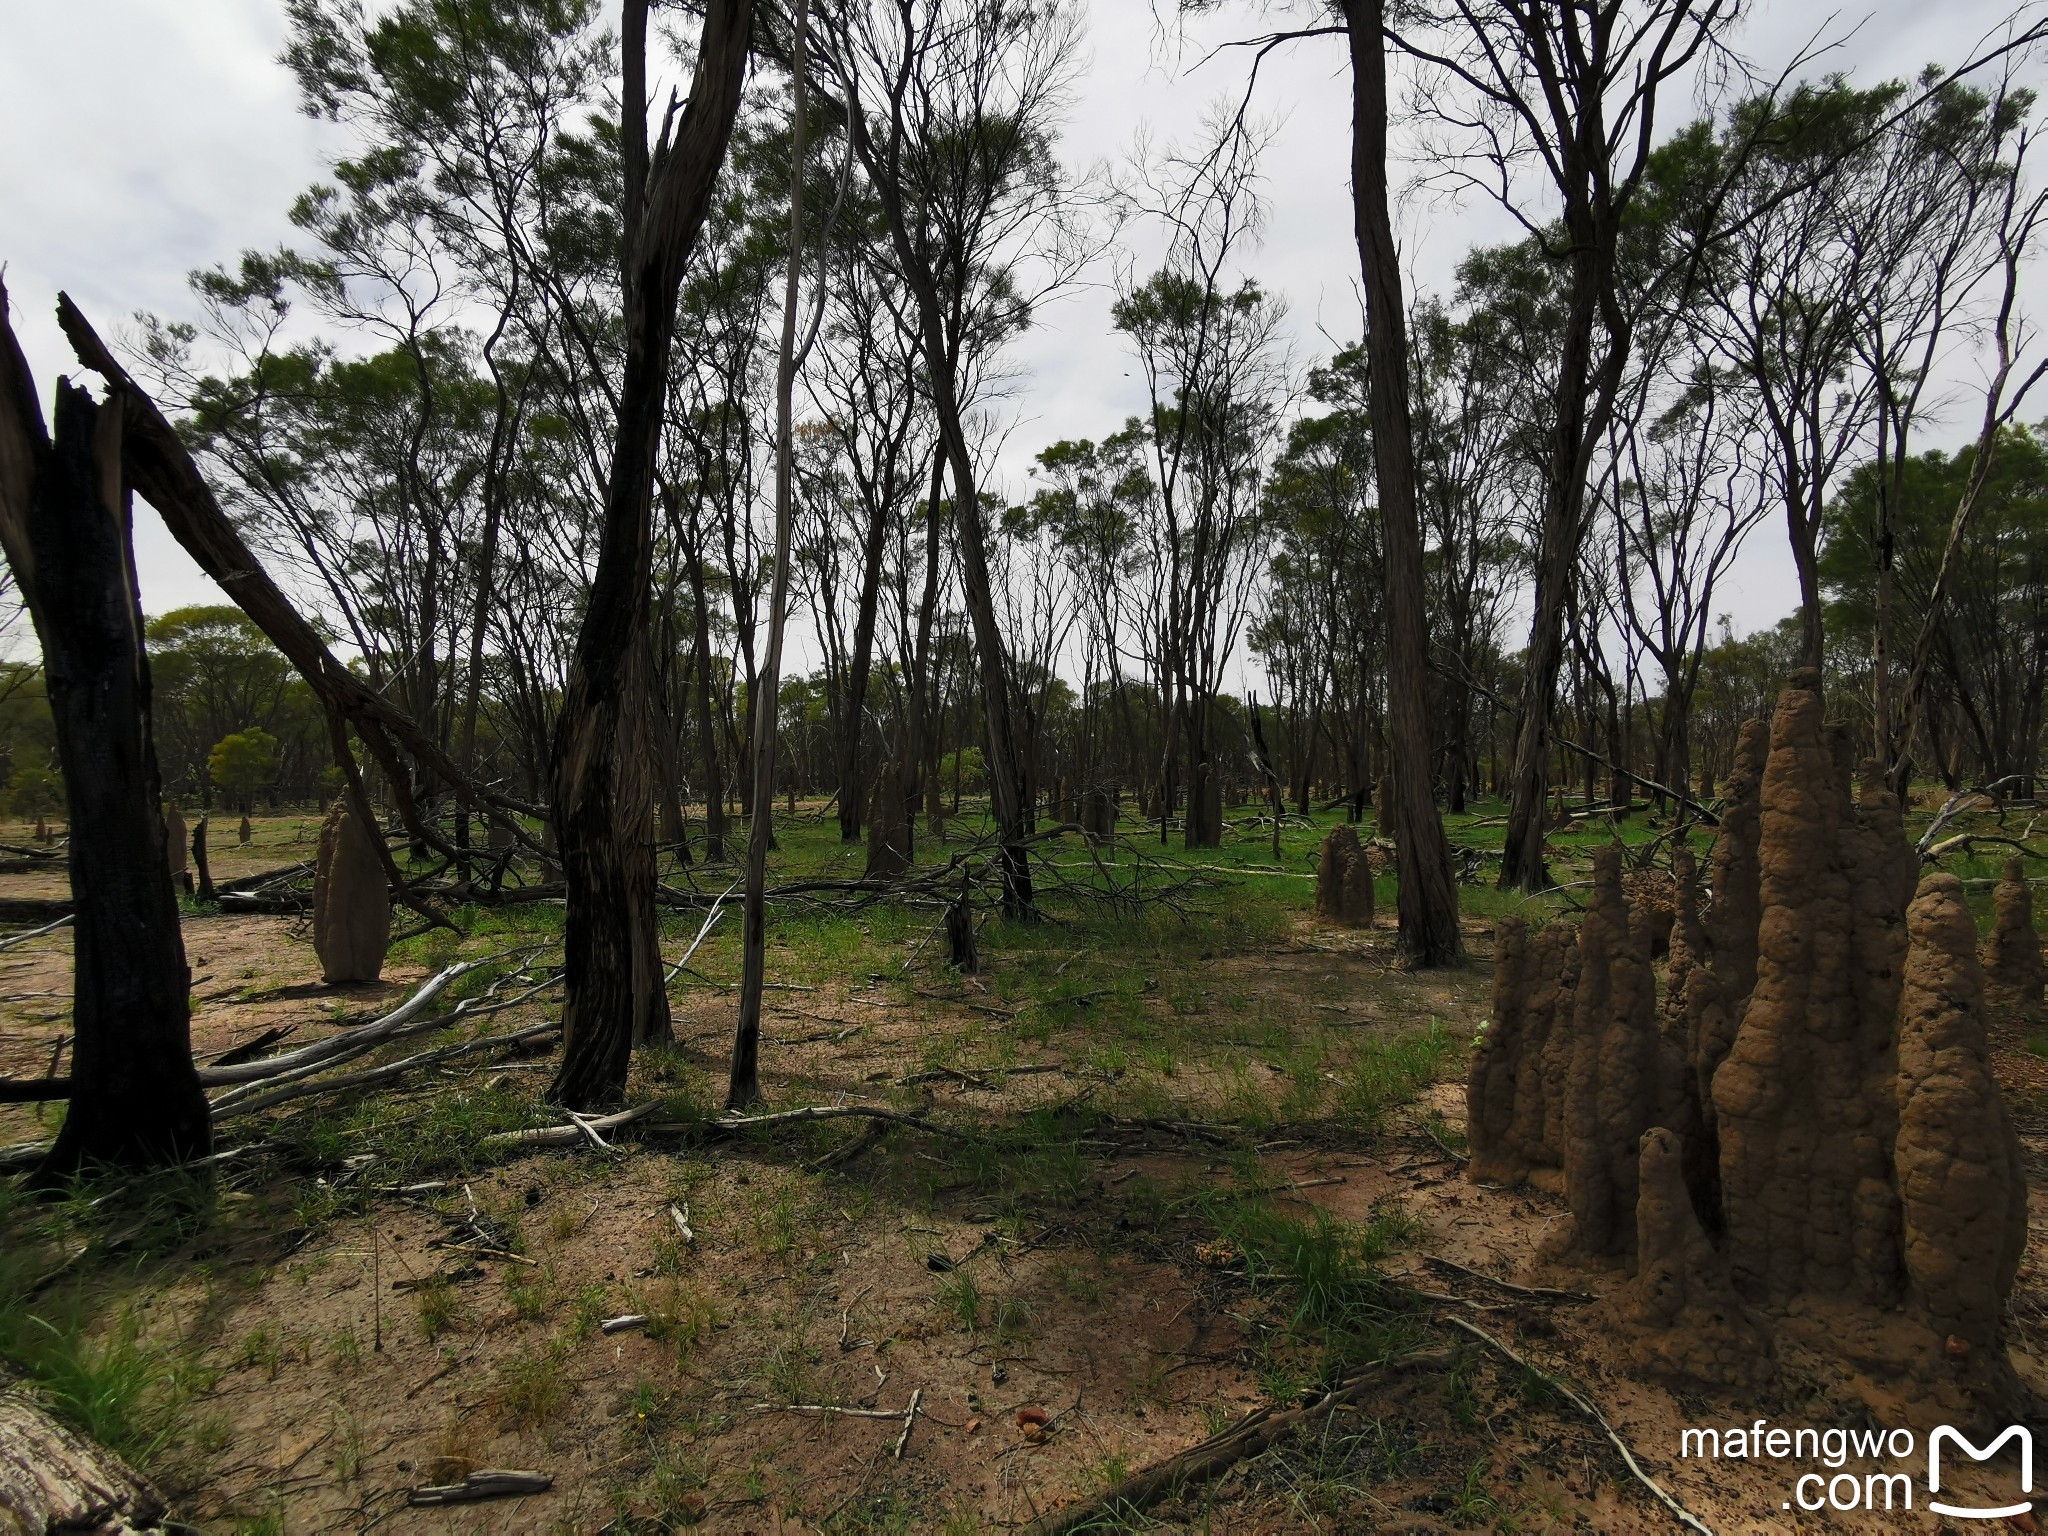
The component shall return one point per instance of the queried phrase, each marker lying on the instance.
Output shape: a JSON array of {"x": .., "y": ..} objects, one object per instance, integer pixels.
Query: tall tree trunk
[
  {"x": 64, "y": 524},
  {"x": 707, "y": 723},
  {"x": 1428, "y": 896},
  {"x": 743, "y": 1086},
  {"x": 601, "y": 802},
  {"x": 1005, "y": 785},
  {"x": 854, "y": 713}
]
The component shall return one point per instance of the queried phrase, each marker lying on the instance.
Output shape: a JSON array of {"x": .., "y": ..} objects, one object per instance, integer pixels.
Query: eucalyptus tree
[
  {"x": 878, "y": 426},
  {"x": 1552, "y": 111},
  {"x": 1467, "y": 491},
  {"x": 953, "y": 108},
  {"x": 1209, "y": 345},
  {"x": 1094, "y": 497},
  {"x": 466, "y": 105},
  {"x": 613, "y": 993}
]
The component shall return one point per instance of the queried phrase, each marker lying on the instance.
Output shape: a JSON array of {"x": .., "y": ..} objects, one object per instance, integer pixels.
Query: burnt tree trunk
[
  {"x": 199, "y": 862},
  {"x": 603, "y": 802},
  {"x": 1428, "y": 900},
  {"x": 64, "y": 523}
]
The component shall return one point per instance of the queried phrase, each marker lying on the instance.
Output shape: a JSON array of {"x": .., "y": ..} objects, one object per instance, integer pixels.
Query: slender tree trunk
[
  {"x": 602, "y": 807},
  {"x": 1428, "y": 897},
  {"x": 744, "y": 1085},
  {"x": 853, "y": 718},
  {"x": 707, "y": 723},
  {"x": 1005, "y": 784},
  {"x": 64, "y": 524}
]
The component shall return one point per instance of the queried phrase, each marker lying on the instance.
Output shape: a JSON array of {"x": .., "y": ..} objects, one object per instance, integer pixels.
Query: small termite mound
[
  {"x": 888, "y": 826},
  {"x": 1344, "y": 880},
  {"x": 351, "y": 906},
  {"x": 2011, "y": 954},
  {"x": 1098, "y": 815},
  {"x": 176, "y": 850},
  {"x": 243, "y": 832},
  {"x": 1680, "y": 1316}
]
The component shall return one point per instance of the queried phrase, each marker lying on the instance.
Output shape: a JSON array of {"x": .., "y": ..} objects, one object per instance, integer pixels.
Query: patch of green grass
[
  {"x": 533, "y": 1389},
  {"x": 1388, "y": 1073},
  {"x": 437, "y": 1305},
  {"x": 960, "y": 1298}
]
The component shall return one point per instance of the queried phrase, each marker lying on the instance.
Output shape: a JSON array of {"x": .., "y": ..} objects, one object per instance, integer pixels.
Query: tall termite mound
[
  {"x": 2011, "y": 954},
  {"x": 1818, "y": 1135},
  {"x": 1098, "y": 815},
  {"x": 1962, "y": 1190},
  {"x": 1730, "y": 921},
  {"x": 351, "y": 906},
  {"x": 1344, "y": 880},
  {"x": 1803, "y": 1102},
  {"x": 888, "y": 826}
]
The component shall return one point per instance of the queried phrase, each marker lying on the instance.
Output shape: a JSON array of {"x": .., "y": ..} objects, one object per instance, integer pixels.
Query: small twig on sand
[
  {"x": 482, "y": 1485},
  {"x": 909, "y": 1422},
  {"x": 1536, "y": 1292},
  {"x": 679, "y": 1213},
  {"x": 1685, "y": 1516}
]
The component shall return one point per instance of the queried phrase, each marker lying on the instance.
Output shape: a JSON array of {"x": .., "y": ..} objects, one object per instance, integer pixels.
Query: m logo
[{"x": 1943, "y": 1432}]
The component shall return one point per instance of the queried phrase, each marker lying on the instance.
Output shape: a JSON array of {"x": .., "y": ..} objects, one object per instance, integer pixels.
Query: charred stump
[{"x": 64, "y": 523}]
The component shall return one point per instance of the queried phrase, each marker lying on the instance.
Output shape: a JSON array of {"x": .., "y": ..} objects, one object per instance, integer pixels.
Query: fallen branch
[
  {"x": 1210, "y": 1458},
  {"x": 34, "y": 933},
  {"x": 349, "y": 1042},
  {"x": 733, "y": 1123},
  {"x": 582, "y": 1130},
  {"x": 1685, "y": 1516},
  {"x": 225, "y": 1109}
]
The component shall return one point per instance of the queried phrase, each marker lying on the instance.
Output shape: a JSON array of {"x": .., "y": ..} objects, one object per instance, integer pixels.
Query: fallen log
[
  {"x": 54, "y": 1479},
  {"x": 1249, "y": 1437}
]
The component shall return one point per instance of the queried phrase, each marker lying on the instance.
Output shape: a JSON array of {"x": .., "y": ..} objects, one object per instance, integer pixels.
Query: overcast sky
[{"x": 140, "y": 139}]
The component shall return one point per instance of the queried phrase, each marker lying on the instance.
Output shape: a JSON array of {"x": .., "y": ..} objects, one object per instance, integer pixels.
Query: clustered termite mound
[{"x": 1801, "y": 1150}]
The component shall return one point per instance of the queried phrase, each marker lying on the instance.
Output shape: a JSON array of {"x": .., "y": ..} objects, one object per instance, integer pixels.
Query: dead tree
[
  {"x": 603, "y": 796},
  {"x": 64, "y": 525}
]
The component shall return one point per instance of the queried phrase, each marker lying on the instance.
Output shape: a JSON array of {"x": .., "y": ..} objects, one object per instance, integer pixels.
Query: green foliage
[
  {"x": 34, "y": 790},
  {"x": 244, "y": 762}
]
